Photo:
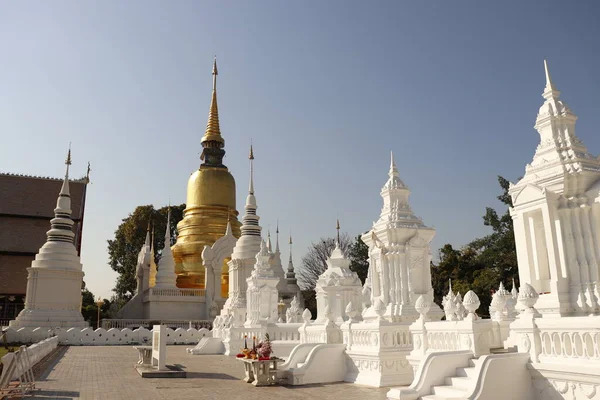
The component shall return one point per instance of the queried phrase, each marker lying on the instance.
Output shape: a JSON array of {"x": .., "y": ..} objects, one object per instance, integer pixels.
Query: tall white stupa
[
  {"x": 244, "y": 256},
  {"x": 165, "y": 276},
  {"x": 54, "y": 279}
]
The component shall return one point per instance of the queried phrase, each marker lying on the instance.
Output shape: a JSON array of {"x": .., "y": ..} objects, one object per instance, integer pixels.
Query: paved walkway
[{"x": 107, "y": 373}]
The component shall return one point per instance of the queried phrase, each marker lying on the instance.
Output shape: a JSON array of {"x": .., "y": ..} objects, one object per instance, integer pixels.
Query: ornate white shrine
[
  {"x": 336, "y": 287},
  {"x": 556, "y": 214},
  {"x": 261, "y": 294}
]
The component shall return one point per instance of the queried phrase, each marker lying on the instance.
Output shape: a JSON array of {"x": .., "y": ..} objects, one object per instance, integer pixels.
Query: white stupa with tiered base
[
  {"x": 165, "y": 276},
  {"x": 54, "y": 279}
]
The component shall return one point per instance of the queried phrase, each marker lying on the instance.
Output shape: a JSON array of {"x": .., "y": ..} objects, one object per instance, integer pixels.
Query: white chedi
[
  {"x": 165, "y": 276},
  {"x": 261, "y": 294},
  {"x": 53, "y": 296}
]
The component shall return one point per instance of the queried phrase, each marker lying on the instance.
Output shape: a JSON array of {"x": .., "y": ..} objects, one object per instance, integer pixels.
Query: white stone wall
[{"x": 103, "y": 337}]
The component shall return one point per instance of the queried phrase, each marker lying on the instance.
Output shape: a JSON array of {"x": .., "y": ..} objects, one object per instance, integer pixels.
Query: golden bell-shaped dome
[{"x": 210, "y": 206}]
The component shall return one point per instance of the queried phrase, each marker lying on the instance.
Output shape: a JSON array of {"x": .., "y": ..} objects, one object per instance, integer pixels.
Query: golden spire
[{"x": 213, "y": 130}]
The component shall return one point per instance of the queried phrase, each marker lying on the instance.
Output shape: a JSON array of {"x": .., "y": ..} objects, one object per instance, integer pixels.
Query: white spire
[
  {"x": 63, "y": 203},
  {"x": 147, "y": 242},
  {"x": 249, "y": 242},
  {"x": 166, "y": 277},
  {"x": 168, "y": 228},
  {"x": 550, "y": 92},
  {"x": 394, "y": 181},
  {"x": 290, "y": 275},
  {"x": 251, "y": 158},
  {"x": 269, "y": 247},
  {"x": 61, "y": 225},
  {"x": 393, "y": 169}
]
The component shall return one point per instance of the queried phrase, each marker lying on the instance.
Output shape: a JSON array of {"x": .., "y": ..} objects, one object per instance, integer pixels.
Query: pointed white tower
[
  {"x": 399, "y": 262},
  {"x": 243, "y": 256},
  {"x": 142, "y": 270},
  {"x": 555, "y": 214},
  {"x": 277, "y": 266},
  {"x": 55, "y": 276},
  {"x": 153, "y": 266},
  {"x": 166, "y": 277},
  {"x": 290, "y": 275},
  {"x": 561, "y": 162}
]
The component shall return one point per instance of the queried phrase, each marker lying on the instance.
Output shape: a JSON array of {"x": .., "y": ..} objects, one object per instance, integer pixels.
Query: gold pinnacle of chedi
[{"x": 210, "y": 205}]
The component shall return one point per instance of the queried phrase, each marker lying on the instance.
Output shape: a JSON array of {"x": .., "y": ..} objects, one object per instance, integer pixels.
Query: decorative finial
[
  {"x": 168, "y": 228},
  {"x": 338, "y": 231},
  {"x": 64, "y": 190},
  {"x": 393, "y": 169},
  {"x": 269, "y": 240},
  {"x": 251, "y": 157},
  {"x": 549, "y": 91},
  {"x": 68, "y": 161},
  {"x": 87, "y": 174},
  {"x": 290, "y": 239},
  {"x": 549, "y": 85}
]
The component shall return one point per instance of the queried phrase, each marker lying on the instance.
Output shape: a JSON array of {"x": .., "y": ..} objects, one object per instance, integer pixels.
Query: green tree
[
  {"x": 483, "y": 263},
  {"x": 129, "y": 238},
  {"x": 359, "y": 258}
]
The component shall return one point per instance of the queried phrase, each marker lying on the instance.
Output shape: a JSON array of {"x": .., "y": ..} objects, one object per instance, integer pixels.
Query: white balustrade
[
  {"x": 134, "y": 323},
  {"x": 101, "y": 337},
  {"x": 569, "y": 339}
]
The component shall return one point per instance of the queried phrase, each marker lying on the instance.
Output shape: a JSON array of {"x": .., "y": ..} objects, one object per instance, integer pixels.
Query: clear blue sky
[{"x": 324, "y": 89}]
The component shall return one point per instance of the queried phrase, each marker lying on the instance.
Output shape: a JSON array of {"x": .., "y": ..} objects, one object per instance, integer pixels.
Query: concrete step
[
  {"x": 449, "y": 392},
  {"x": 432, "y": 397},
  {"x": 473, "y": 362},
  {"x": 460, "y": 382},
  {"x": 468, "y": 372}
]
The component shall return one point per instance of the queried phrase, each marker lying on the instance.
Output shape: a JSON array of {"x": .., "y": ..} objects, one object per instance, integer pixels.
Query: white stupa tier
[
  {"x": 53, "y": 297},
  {"x": 399, "y": 270},
  {"x": 165, "y": 276}
]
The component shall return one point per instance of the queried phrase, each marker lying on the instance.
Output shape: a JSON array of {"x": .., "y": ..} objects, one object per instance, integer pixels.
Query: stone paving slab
[{"x": 107, "y": 372}]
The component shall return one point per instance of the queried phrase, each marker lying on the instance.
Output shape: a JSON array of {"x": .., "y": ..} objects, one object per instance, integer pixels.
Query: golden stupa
[{"x": 210, "y": 205}]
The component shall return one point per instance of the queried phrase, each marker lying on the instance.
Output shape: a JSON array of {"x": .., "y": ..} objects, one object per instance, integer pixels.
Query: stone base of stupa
[{"x": 48, "y": 319}]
